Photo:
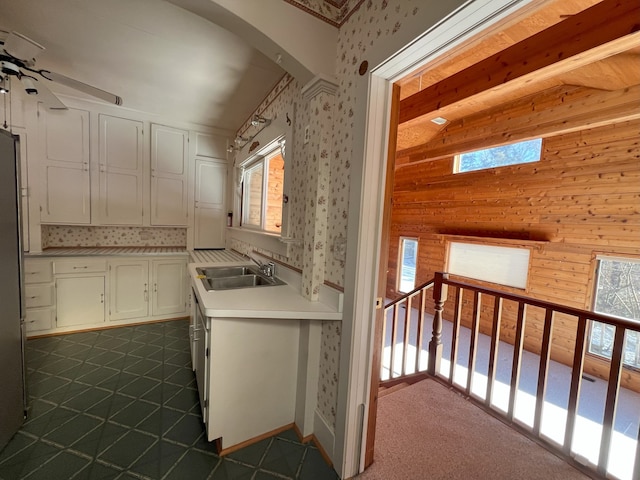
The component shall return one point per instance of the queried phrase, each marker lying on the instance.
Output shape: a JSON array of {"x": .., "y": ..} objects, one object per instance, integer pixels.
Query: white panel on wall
[
  {"x": 121, "y": 171},
  {"x": 66, "y": 189},
  {"x": 503, "y": 265},
  {"x": 212, "y": 146},
  {"x": 169, "y": 165}
]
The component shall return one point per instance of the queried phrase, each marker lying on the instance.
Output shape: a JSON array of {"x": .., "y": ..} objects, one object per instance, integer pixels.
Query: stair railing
[{"x": 441, "y": 284}]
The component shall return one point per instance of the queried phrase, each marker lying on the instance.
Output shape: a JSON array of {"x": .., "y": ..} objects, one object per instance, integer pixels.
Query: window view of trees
[
  {"x": 521, "y": 152},
  {"x": 617, "y": 294},
  {"x": 408, "y": 258}
]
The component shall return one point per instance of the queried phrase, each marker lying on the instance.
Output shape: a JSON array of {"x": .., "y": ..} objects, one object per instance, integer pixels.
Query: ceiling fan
[{"x": 17, "y": 59}]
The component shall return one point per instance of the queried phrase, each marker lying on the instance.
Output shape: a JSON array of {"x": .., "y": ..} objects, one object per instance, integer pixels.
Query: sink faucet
[{"x": 267, "y": 269}]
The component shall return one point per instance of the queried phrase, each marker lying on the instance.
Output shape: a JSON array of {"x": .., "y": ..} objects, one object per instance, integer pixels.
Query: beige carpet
[{"x": 426, "y": 431}]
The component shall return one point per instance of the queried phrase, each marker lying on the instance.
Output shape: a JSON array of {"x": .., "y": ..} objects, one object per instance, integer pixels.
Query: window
[
  {"x": 521, "y": 152},
  {"x": 491, "y": 263},
  {"x": 262, "y": 190},
  {"x": 617, "y": 293},
  {"x": 408, "y": 260}
]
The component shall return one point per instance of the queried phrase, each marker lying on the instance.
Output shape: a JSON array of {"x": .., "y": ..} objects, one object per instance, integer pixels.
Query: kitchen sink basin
[
  {"x": 219, "y": 272},
  {"x": 229, "y": 278}
]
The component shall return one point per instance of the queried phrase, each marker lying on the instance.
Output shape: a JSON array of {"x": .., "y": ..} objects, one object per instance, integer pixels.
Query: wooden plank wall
[{"x": 582, "y": 198}]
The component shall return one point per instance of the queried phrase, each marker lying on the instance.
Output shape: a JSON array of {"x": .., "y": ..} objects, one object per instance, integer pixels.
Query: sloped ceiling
[{"x": 158, "y": 57}]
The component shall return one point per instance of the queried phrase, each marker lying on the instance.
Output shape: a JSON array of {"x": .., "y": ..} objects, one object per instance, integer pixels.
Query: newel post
[{"x": 435, "y": 345}]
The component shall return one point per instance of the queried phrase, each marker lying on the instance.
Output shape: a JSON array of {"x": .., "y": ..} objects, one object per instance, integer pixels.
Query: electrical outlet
[{"x": 307, "y": 135}]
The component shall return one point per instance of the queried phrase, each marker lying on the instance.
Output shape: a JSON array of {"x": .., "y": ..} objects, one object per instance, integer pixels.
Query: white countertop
[
  {"x": 272, "y": 302},
  {"x": 107, "y": 251}
]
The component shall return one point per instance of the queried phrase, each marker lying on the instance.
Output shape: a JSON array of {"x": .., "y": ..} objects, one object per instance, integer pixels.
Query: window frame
[
  {"x": 458, "y": 158},
  {"x": 593, "y": 303},
  {"x": 401, "y": 250},
  {"x": 262, "y": 159}
]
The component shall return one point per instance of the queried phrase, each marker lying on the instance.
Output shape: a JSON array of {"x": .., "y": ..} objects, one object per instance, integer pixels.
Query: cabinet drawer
[
  {"x": 37, "y": 271},
  {"x": 79, "y": 266},
  {"x": 39, "y": 319},
  {"x": 38, "y": 295}
]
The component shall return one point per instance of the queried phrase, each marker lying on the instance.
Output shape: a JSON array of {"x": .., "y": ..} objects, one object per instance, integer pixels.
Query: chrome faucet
[{"x": 267, "y": 269}]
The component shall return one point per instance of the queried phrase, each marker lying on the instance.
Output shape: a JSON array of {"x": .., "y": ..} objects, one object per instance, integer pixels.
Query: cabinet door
[
  {"x": 128, "y": 289},
  {"x": 210, "y": 215},
  {"x": 64, "y": 137},
  {"x": 169, "y": 154},
  {"x": 80, "y": 300},
  {"x": 169, "y": 287},
  {"x": 121, "y": 171}
]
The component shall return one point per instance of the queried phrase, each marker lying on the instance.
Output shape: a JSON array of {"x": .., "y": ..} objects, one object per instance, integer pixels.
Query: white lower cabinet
[
  {"x": 72, "y": 292},
  {"x": 80, "y": 300},
  {"x": 129, "y": 292},
  {"x": 141, "y": 288},
  {"x": 169, "y": 287}
]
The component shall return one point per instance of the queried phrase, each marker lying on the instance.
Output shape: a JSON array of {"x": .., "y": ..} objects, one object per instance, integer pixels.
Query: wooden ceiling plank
[
  {"x": 557, "y": 111},
  {"x": 607, "y": 28}
]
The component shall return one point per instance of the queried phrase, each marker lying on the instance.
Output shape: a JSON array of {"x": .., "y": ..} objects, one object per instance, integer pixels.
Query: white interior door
[{"x": 210, "y": 216}]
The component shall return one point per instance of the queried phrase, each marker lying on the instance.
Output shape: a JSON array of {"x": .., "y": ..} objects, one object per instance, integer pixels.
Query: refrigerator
[{"x": 12, "y": 373}]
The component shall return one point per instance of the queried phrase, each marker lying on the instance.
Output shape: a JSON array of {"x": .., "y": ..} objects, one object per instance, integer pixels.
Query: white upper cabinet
[
  {"x": 66, "y": 187},
  {"x": 120, "y": 171},
  {"x": 169, "y": 188},
  {"x": 210, "y": 215}
]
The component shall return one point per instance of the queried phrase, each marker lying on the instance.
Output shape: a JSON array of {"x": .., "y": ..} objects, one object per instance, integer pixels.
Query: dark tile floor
[{"x": 122, "y": 404}]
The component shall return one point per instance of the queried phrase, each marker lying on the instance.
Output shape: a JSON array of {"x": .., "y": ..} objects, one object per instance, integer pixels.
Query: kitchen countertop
[
  {"x": 271, "y": 302},
  {"x": 108, "y": 251}
]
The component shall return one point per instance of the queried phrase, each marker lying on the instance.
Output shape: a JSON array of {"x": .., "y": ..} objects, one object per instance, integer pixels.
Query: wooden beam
[
  {"x": 607, "y": 28},
  {"x": 556, "y": 111}
]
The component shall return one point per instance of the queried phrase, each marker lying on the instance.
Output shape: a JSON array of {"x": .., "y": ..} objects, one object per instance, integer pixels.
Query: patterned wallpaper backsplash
[
  {"x": 88, "y": 236},
  {"x": 366, "y": 24}
]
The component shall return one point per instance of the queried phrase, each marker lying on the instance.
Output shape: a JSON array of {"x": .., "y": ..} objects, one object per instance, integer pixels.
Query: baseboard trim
[
  {"x": 253, "y": 440},
  {"x": 324, "y": 436}
]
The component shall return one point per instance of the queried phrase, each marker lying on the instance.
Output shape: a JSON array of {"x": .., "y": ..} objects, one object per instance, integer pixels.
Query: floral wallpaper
[
  {"x": 87, "y": 236},
  {"x": 365, "y": 23},
  {"x": 334, "y": 12}
]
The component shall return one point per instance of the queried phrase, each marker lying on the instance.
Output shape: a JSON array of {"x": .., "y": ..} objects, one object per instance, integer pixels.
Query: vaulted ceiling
[
  {"x": 564, "y": 49},
  {"x": 159, "y": 58}
]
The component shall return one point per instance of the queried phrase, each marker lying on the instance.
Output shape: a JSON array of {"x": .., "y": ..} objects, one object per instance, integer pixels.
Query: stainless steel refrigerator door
[{"x": 12, "y": 406}]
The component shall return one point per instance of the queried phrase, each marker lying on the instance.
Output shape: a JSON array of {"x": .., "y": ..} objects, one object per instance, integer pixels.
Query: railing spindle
[
  {"x": 394, "y": 339},
  {"x": 543, "y": 369},
  {"x": 420, "y": 327},
  {"x": 473, "y": 343},
  {"x": 518, "y": 342},
  {"x": 493, "y": 352},
  {"x": 612, "y": 399},
  {"x": 384, "y": 340},
  {"x": 576, "y": 382},
  {"x": 435, "y": 345},
  {"x": 455, "y": 333},
  {"x": 405, "y": 343}
]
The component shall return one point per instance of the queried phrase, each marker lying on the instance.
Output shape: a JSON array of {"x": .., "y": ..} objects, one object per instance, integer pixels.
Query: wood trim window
[
  {"x": 490, "y": 263},
  {"x": 617, "y": 293},
  {"x": 407, "y": 263},
  {"x": 513, "y": 154},
  {"x": 262, "y": 192}
]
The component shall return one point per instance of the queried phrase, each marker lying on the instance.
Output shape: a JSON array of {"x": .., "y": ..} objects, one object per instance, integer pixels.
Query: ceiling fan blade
[
  {"x": 83, "y": 87},
  {"x": 39, "y": 89},
  {"x": 22, "y": 48}
]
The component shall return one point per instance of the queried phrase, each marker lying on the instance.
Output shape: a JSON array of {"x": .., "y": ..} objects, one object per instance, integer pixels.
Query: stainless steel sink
[
  {"x": 218, "y": 272},
  {"x": 229, "y": 278}
]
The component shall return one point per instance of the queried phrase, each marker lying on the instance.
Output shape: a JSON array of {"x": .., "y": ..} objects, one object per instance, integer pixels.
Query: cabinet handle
[
  {"x": 102, "y": 298},
  {"x": 146, "y": 293},
  {"x": 155, "y": 288},
  {"x": 80, "y": 268}
]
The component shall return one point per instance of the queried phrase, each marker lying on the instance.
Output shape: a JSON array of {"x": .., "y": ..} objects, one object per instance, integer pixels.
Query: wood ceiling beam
[
  {"x": 557, "y": 111},
  {"x": 605, "y": 29}
]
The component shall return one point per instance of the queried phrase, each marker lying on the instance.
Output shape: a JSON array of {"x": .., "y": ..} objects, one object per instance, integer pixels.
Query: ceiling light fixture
[
  {"x": 259, "y": 119},
  {"x": 240, "y": 139},
  {"x": 439, "y": 120},
  {"x": 4, "y": 84},
  {"x": 29, "y": 86}
]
